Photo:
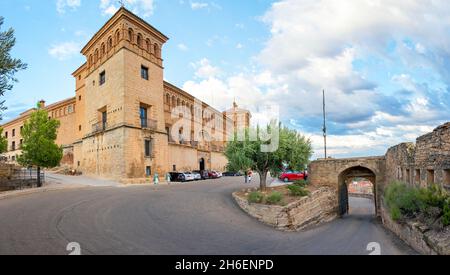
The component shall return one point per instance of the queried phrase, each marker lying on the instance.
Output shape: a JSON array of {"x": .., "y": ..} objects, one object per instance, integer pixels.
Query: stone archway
[{"x": 343, "y": 183}]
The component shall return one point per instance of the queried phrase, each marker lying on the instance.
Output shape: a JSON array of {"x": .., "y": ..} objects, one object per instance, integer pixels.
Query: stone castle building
[{"x": 125, "y": 122}]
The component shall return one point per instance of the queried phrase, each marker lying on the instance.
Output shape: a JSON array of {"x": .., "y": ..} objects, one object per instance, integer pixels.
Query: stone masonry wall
[{"x": 318, "y": 208}]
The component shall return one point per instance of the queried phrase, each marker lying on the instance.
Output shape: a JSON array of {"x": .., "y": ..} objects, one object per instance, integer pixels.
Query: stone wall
[
  {"x": 418, "y": 236},
  {"x": 319, "y": 207},
  {"x": 423, "y": 163}
]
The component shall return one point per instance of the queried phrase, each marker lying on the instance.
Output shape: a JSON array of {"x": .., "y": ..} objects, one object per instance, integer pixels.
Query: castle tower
[{"x": 120, "y": 93}]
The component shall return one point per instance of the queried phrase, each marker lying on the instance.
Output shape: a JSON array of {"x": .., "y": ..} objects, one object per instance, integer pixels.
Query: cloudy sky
[{"x": 385, "y": 65}]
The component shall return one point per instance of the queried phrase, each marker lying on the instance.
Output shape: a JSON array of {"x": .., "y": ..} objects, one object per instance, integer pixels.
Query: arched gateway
[{"x": 339, "y": 173}]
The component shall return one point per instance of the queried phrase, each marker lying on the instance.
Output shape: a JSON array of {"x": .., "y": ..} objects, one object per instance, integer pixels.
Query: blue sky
[{"x": 384, "y": 65}]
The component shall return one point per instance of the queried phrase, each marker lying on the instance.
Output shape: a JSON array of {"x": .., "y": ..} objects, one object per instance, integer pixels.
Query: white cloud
[
  {"x": 199, "y": 5},
  {"x": 182, "y": 47},
  {"x": 144, "y": 8},
  {"x": 62, "y": 5},
  {"x": 314, "y": 45},
  {"x": 64, "y": 51}
]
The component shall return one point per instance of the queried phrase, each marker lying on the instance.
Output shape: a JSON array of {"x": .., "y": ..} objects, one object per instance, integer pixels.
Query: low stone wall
[
  {"x": 319, "y": 207},
  {"x": 418, "y": 236}
]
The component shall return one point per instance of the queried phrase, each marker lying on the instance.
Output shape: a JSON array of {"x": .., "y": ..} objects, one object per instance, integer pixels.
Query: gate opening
[{"x": 357, "y": 192}]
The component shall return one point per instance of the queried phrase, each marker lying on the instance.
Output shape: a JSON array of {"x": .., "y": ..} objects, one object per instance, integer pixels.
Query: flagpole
[{"x": 325, "y": 125}]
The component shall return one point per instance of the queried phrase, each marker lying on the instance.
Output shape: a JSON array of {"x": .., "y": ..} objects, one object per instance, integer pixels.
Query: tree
[
  {"x": 8, "y": 65},
  {"x": 39, "y": 148},
  {"x": 293, "y": 150},
  {"x": 3, "y": 142}
]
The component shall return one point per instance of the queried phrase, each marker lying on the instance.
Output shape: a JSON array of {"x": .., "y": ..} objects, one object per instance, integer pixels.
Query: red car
[{"x": 293, "y": 176}]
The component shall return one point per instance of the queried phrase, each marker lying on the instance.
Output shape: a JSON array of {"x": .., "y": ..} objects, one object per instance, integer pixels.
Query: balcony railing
[
  {"x": 151, "y": 124},
  {"x": 99, "y": 127}
]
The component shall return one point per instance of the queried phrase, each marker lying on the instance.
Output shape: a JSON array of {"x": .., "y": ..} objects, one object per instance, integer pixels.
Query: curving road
[{"x": 197, "y": 218}]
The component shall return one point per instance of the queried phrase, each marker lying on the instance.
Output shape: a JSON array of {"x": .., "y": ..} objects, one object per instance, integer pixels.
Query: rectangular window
[
  {"x": 13, "y": 146},
  {"x": 417, "y": 179},
  {"x": 447, "y": 177},
  {"x": 143, "y": 114},
  {"x": 70, "y": 109},
  {"x": 104, "y": 120},
  {"x": 102, "y": 78},
  {"x": 21, "y": 129},
  {"x": 6, "y": 134},
  {"x": 174, "y": 168},
  {"x": 148, "y": 148},
  {"x": 430, "y": 177},
  {"x": 148, "y": 171},
  {"x": 144, "y": 72},
  {"x": 408, "y": 175},
  {"x": 14, "y": 132}
]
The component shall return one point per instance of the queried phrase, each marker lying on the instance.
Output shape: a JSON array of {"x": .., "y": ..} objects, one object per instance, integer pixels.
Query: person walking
[
  {"x": 250, "y": 175},
  {"x": 246, "y": 177}
]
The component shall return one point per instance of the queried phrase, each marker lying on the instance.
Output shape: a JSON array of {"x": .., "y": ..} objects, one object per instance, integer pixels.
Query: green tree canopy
[
  {"x": 8, "y": 65},
  {"x": 3, "y": 142},
  {"x": 292, "y": 149},
  {"x": 39, "y": 148}
]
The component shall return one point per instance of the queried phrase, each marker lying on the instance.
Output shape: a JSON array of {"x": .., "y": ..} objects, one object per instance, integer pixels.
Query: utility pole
[{"x": 325, "y": 125}]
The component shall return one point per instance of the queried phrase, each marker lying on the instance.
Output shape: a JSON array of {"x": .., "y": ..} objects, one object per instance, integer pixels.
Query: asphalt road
[{"x": 196, "y": 218}]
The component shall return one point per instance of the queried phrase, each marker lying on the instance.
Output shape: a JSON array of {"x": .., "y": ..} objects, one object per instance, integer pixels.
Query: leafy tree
[
  {"x": 293, "y": 150},
  {"x": 3, "y": 142},
  {"x": 8, "y": 65},
  {"x": 39, "y": 148}
]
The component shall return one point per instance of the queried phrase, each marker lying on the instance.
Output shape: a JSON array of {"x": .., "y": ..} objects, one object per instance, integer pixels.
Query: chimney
[{"x": 42, "y": 103}]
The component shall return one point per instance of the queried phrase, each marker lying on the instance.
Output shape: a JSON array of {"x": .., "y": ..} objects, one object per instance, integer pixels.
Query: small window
[
  {"x": 79, "y": 77},
  {"x": 144, "y": 72},
  {"x": 21, "y": 129},
  {"x": 102, "y": 78},
  {"x": 79, "y": 128},
  {"x": 148, "y": 148},
  {"x": 430, "y": 177},
  {"x": 14, "y": 132},
  {"x": 79, "y": 164},
  {"x": 148, "y": 171},
  {"x": 70, "y": 109},
  {"x": 13, "y": 146},
  {"x": 79, "y": 98},
  {"x": 6, "y": 134},
  {"x": 104, "y": 120},
  {"x": 174, "y": 168}
]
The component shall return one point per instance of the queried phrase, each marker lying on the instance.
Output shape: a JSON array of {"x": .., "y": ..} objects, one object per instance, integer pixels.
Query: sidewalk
[{"x": 57, "y": 179}]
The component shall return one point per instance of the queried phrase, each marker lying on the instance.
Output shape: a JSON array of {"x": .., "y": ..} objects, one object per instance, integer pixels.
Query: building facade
[{"x": 125, "y": 122}]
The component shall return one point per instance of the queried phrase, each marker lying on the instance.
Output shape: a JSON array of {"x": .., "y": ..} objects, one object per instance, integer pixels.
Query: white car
[
  {"x": 188, "y": 176},
  {"x": 197, "y": 176}
]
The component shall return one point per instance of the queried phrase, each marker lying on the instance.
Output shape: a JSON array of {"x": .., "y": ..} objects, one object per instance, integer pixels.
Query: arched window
[
  {"x": 173, "y": 101},
  {"x": 130, "y": 35},
  {"x": 139, "y": 40},
  {"x": 110, "y": 43},
  {"x": 168, "y": 99},
  {"x": 96, "y": 56},
  {"x": 103, "y": 49},
  {"x": 91, "y": 60},
  {"x": 117, "y": 37},
  {"x": 156, "y": 51},
  {"x": 147, "y": 46},
  {"x": 178, "y": 102}
]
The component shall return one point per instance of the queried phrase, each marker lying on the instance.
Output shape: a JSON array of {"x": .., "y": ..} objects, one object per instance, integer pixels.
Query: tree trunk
[
  {"x": 263, "y": 180},
  {"x": 39, "y": 184}
]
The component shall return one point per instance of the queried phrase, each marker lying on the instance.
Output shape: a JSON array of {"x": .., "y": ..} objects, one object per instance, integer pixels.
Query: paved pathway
[{"x": 194, "y": 218}]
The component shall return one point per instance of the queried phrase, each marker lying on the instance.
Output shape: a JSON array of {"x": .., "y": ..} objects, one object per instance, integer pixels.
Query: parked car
[
  {"x": 233, "y": 174},
  {"x": 289, "y": 176},
  {"x": 181, "y": 177},
  {"x": 204, "y": 174},
  {"x": 213, "y": 175},
  {"x": 188, "y": 176},
  {"x": 197, "y": 176}
]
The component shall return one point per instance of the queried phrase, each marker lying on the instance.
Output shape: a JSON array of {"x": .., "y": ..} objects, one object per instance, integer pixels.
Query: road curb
[{"x": 20, "y": 193}]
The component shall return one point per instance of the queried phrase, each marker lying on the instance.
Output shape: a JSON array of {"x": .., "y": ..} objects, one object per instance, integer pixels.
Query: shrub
[
  {"x": 446, "y": 216},
  {"x": 404, "y": 200},
  {"x": 255, "y": 197},
  {"x": 301, "y": 183},
  {"x": 297, "y": 191},
  {"x": 274, "y": 198}
]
